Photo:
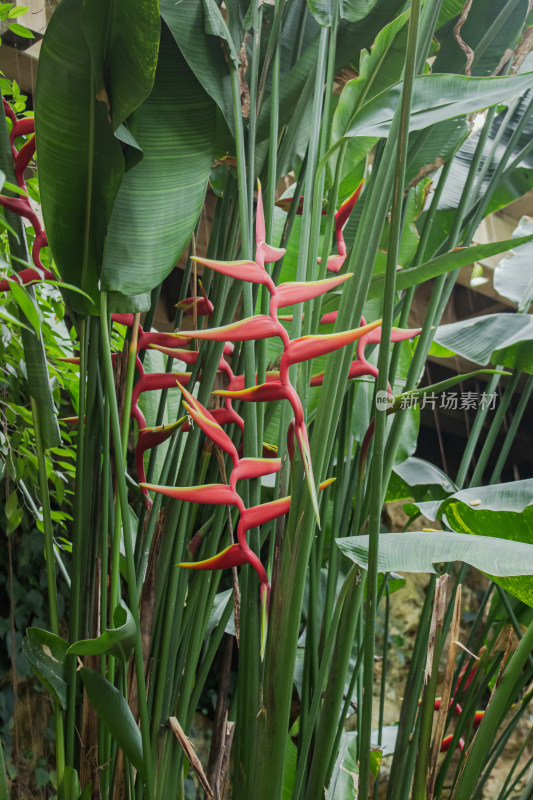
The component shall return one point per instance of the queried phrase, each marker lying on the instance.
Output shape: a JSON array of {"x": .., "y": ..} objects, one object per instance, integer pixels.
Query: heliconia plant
[{"x": 303, "y": 167}]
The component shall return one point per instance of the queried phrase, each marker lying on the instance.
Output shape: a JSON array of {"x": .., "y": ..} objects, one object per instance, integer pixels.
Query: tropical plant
[{"x": 391, "y": 129}]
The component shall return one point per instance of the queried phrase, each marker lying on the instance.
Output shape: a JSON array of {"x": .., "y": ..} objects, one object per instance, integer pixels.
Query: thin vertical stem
[
  {"x": 381, "y": 420},
  {"x": 126, "y": 528}
]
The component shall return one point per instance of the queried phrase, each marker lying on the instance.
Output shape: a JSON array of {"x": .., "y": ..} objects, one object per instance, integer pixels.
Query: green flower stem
[
  {"x": 511, "y": 433},
  {"x": 50, "y": 576},
  {"x": 475, "y": 433},
  {"x": 426, "y": 724},
  {"x": 130, "y": 566},
  {"x": 383, "y": 677},
  {"x": 493, "y": 717},
  {"x": 400, "y": 776},
  {"x": 378, "y": 457},
  {"x": 333, "y": 695},
  {"x": 77, "y": 535},
  {"x": 333, "y": 640},
  {"x": 497, "y": 420},
  {"x": 441, "y": 289}
]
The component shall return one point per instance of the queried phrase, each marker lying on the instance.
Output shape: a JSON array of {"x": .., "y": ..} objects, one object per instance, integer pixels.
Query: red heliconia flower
[
  {"x": 361, "y": 366},
  {"x": 22, "y": 205},
  {"x": 146, "y": 439},
  {"x": 150, "y": 381},
  {"x": 308, "y": 347},
  {"x": 263, "y": 251},
  {"x": 26, "y": 277},
  {"x": 204, "y": 307},
  {"x": 209, "y": 426},
  {"x": 446, "y": 742},
  {"x": 287, "y": 294}
]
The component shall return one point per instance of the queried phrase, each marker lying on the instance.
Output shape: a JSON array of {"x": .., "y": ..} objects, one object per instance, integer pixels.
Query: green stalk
[
  {"x": 475, "y": 433},
  {"x": 77, "y": 536},
  {"x": 383, "y": 676},
  {"x": 511, "y": 433},
  {"x": 426, "y": 724},
  {"x": 376, "y": 490},
  {"x": 332, "y": 640},
  {"x": 493, "y": 717},
  {"x": 50, "y": 576},
  {"x": 332, "y": 703},
  {"x": 494, "y": 429},
  {"x": 400, "y": 776},
  {"x": 130, "y": 565}
]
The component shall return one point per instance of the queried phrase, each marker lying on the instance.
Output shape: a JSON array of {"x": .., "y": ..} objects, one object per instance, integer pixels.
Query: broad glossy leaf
[
  {"x": 504, "y": 339},
  {"x": 203, "y": 54},
  {"x": 161, "y": 197},
  {"x": 124, "y": 51},
  {"x": 77, "y": 187},
  {"x": 215, "y": 24},
  {"x": 116, "y": 715},
  {"x": 418, "y": 479},
  {"x": 504, "y": 510},
  {"x": 417, "y": 551},
  {"x": 373, "y": 75},
  {"x": 46, "y": 654},
  {"x": 513, "y": 276},
  {"x": 117, "y": 641},
  {"x": 435, "y": 98}
]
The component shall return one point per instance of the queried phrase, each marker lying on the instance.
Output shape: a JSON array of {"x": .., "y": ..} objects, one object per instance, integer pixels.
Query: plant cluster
[{"x": 243, "y": 416}]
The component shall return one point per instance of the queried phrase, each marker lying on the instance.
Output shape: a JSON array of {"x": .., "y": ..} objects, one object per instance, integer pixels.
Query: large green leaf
[
  {"x": 417, "y": 551},
  {"x": 123, "y": 36},
  {"x": 116, "y": 715},
  {"x": 435, "y": 98},
  {"x": 504, "y": 510},
  {"x": 447, "y": 262},
  {"x": 201, "y": 51},
  {"x": 505, "y": 339},
  {"x": 513, "y": 276},
  {"x": 46, "y": 654},
  {"x": 161, "y": 197},
  {"x": 378, "y": 69},
  {"x": 117, "y": 641},
  {"x": 80, "y": 161}
]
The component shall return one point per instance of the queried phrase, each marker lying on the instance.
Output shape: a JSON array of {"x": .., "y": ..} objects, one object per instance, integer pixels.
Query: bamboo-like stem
[
  {"x": 77, "y": 534},
  {"x": 126, "y": 526},
  {"x": 381, "y": 386},
  {"x": 493, "y": 717},
  {"x": 511, "y": 433},
  {"x": 497, "y": 420},
  {"x": 50, "y": 577},
  {"x": 428, "y": 699}
]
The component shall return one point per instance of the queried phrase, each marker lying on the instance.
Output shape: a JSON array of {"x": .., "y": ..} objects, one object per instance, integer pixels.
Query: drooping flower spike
[
  {"x": 262, "y": 326},
  {"x": 22, "y": 205},
  {"x": 334, "y": 263}
]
